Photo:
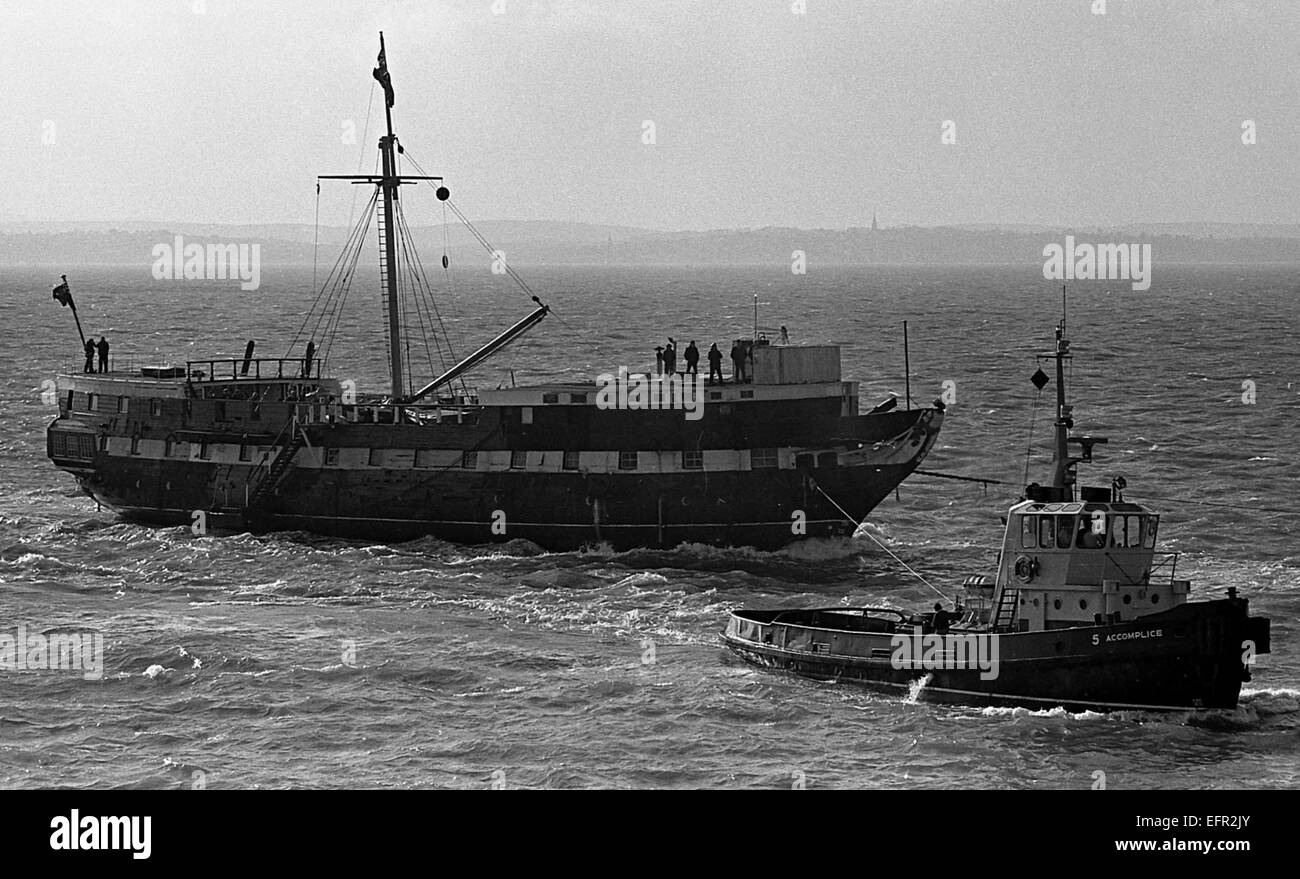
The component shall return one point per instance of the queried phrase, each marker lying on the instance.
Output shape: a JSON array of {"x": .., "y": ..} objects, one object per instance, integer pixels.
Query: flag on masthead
[
  {"x": 62, "y": 294},
  {"x": 381, "y": 74}
]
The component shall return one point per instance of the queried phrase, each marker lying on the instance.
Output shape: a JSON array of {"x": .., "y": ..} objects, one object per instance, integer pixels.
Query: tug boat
[
  {"x": 284, "y": 443},
  {"x": 1082, "y": 613}
]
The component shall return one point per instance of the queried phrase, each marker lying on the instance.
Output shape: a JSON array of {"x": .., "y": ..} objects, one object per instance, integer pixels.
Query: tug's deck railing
[{"x": 1161, "y": 560}]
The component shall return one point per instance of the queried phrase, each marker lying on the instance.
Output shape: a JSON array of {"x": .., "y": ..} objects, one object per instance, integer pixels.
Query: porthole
[
  {"x": 1155, "y": 598},
  {"x": 1083, "y": 604},
  {"x": 1056, "y": 604},
  {"x": 1128, "y": 599}
]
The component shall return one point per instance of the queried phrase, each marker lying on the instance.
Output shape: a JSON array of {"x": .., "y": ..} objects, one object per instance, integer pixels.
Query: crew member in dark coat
[
  {"x": 90, "y": 356},
  {"x": 670, "y": 357},
  {"x": 103, "y": 354},
  {"x": 659, "y": 359},
  {"x": 692, "y": 358},
  {"x": 715, "y": 364},
  {"x": 941, "y": 620},
  {"x": 738, "y": 363}
]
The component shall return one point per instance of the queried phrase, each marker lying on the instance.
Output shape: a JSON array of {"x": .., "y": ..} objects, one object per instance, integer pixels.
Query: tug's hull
[{"x": 1188, "y": 658}]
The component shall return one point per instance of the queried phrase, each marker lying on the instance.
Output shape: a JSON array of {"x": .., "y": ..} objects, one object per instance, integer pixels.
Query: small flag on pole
[
  {"x": 62, "y": 294},
  {"x": 381, "y": 74}
]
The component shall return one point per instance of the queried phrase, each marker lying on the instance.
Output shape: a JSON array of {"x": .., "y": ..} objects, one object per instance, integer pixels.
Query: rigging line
[
  {"x": 344, "y": 288},
  {"x": 862, "y": 530},
  {"x": 446, "y": 271},
  {"x": 424, "y": 301},
  {"x": 436, "y": 321},
  {"x": 315, "y": 245},
  {"x": 978, "y": 479},
  {"x": 317, "y": 302},
  {"x": 410, "y": 285},
  {"x": 1181, "y": 500},
  {"x": 365, "y": 133},
  {"x": 338, "y": 277},
  {"x": 478, "y": 235},
  {"x": 1294, "y": 511},
  {"x": 404, "y": 284},
  {"x": 510, "y": 271},
  {"x": 417, "y": 269},
  {"x": 1029, "y": 446},
  {"x": 321, "y": 292},
  {"x": 343, "y": 284}
]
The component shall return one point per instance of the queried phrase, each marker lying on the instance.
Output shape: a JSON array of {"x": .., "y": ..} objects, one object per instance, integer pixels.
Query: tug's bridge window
[{"x": 1126, "y": 531}]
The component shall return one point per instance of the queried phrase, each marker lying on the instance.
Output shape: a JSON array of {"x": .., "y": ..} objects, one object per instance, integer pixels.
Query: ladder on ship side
[
  {"x": 1008, "y": 604},
  {"x": 295, "y": 441}
]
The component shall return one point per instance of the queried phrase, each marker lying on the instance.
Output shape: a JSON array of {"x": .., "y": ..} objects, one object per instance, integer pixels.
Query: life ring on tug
[{"x": 1026, "y": 568}]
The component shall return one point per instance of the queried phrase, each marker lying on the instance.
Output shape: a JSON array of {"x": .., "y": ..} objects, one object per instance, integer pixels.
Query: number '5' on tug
[
  {"x": 272, "y": 444},
  {"x": 1083, "y": 613}
]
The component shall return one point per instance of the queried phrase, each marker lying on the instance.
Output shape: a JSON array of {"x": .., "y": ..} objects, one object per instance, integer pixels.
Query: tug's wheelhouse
[{"x": 1081, "y": 563}]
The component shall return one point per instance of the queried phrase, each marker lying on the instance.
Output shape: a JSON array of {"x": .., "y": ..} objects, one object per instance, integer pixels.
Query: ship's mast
[{"x": 389, "y": 182}]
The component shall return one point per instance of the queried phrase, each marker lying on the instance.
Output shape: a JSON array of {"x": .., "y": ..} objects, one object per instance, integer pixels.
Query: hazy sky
[{"x": 225, "y": 110}]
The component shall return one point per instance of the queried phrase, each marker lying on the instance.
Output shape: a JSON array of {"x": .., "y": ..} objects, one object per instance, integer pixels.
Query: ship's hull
[
  {"x": 558, "y": 509},
  {"x": 764, "y": 509},
  {"x": 1189, "y": 658}
]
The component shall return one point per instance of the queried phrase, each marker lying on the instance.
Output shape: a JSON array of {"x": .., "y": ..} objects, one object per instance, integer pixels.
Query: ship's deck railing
[
  {"x": 459, "y": 410},
  {"x": 119, "y": 365},
  {"x": 258, "y": 369},
  {"x": 220, "y": 369}
]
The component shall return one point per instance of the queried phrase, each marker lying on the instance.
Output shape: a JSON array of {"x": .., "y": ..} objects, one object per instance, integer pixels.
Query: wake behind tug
[{"x": 1083, "y": 613}]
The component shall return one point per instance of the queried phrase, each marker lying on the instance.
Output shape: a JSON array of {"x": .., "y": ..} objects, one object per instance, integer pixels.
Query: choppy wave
[{"x": 292, "y": 659}]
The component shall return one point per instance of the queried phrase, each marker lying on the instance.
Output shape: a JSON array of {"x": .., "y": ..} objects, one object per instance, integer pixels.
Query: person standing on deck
[
  {"x": 659, "y": 359},
  {"x": 737, "y": 363},
  {"x": 90, "y": 356},
  {"x": 670, "y": 357},
  {"x": 715, "y": 364},
  {"x": 692, "y": 358},
  {"x": 103, "y": 354}
]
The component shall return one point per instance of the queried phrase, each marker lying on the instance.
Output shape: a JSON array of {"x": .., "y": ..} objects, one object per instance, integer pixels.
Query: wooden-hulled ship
[
  {"x": 1082, "y": 613},
  {"x": 274, "y": 444}
]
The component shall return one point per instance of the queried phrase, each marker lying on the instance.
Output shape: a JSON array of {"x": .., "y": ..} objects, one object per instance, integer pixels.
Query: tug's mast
[{"x": 1062, "y": 470}]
